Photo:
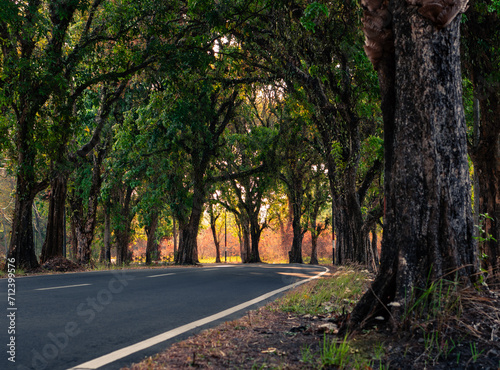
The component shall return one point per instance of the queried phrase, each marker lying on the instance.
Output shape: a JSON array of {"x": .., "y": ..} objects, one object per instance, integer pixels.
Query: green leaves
[
  {"x": 494, "y": 7},
  {"x": 311, "y": 15}
]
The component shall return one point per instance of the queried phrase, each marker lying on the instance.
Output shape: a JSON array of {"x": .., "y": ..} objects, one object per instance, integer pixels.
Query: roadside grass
[
  {"x": 445, "y": 325},
  {"x": 330, "y": 297},
  {"x": 336, "y": 292},
  {"x": 228, "y": 259}
]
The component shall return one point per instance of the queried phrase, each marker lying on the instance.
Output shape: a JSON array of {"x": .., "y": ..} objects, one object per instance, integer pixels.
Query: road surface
[{"x": 111, "y": 319}]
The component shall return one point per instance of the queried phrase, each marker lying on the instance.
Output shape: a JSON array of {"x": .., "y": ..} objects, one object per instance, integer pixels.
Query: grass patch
[
  {"x": 230, "y": 259},
  {"x": 330, "y": 296},
  {"x": 334, "y": 293}
]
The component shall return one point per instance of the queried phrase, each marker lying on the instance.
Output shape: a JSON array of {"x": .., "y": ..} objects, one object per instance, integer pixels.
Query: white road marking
[
  {"x": 151, "y": 276},
  {"x": 218, "y": 266},
  {"x": 62, "y": 287},
  {"x": 124, "y": 352}
]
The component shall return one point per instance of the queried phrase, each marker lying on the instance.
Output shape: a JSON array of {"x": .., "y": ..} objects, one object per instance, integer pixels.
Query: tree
[
  {"x": 481, "y": 56},
  {"x": 152, "y": 243},
  {"x": 90, "y": 153},
  {"x": 299, "y": 156},
  {"x": 316, "y": 200},
  {"x": 249, "y": 167},
  {"x": 428, "y": 226},
  {"x": 188, "y": 117},
  {"x": 52, "y": 51},
  {"x": 312, "y": 47},
  {"x": 83, "y": 202},
  {"x": 7, "y": 186},
  {"x": 214, "y": 215}
]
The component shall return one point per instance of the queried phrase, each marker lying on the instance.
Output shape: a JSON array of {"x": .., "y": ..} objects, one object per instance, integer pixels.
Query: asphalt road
[{"x": 110, "y": 319}]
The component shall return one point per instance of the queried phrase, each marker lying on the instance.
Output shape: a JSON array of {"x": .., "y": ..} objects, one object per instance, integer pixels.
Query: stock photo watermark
[
  {"x": 11, "y": 309},
  {"x": 86, "y": 312}
]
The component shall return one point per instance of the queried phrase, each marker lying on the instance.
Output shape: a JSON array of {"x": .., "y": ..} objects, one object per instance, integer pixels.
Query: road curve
[{"x": 110, "y": 319}]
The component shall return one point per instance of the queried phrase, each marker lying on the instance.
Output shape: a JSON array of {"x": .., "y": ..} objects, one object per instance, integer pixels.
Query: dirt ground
[{"x": 264, "y": 338}]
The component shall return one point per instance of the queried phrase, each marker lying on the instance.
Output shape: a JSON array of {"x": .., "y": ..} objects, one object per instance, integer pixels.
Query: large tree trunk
[
  {"x": 122, "y": 241},
  {"x": 488, "y": 172},
  {"x": 481, "y": 61},
  {"x": 174, "y": 232},
  {"x": 348, "y": 228},
  {"x": 315, "y": 232},
  {"x": 84, "y": 223},
  {"x": 151, "y": 244},
  {"x": 347, "y": 223},
  {"x": 486, "y": 159},
  {"x": 22, "y": 246},
  {"x": 245, "y": 248},
  {"x": 213, "y": 227},
  {"x": 255, "y": 232},
  {"x": 428, "y": 228},
  {"x": 188, "y": 245},
  {"x": 122, "y": 231},
  {"x": 295, "y": 255},
  {"x": 105, "y": 255},
  {"x": 296, "y": 194},
  {"x": 55, "y": 237},
  {"x": 73, "y": 250}
]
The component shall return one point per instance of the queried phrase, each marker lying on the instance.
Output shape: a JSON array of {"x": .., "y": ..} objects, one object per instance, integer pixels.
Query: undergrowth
[
  {"x": 443, "y": 317},
  {"x": 332, "y": 295},
  {"x": 335, "y": 293}
]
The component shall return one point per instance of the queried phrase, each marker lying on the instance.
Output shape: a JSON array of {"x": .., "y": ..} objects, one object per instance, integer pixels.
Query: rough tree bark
[
  {"x": 151, "y": 244},
  {"x": 428, "y": 227},
  {"x": 22, "y": 246},
  {"x": 244, "y": 235},
  {"x": 105, "y": 255},
  {"x": 255, "y": 233},
  {"x": 296, "y": 200},
  {"x": 122, "y": 230},
  {"x": 481, "y": 56},
  {"x": 54, "y": 239},
  {"x": 486, "y": 158},
  {"x": 316, "y": 230},
  {"x": 188, "y": 245}
]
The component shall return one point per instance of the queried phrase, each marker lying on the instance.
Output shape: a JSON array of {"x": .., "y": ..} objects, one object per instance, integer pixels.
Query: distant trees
[
  {"x": 319, "y": 55},
  {"x": 298, "y": 159},
  {"x": 248, "y": 164}
]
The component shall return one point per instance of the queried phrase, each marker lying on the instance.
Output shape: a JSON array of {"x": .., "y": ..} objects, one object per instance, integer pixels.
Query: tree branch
[
  {"x": 370, "y": 175},
  {"x": 107, "y": 101}
]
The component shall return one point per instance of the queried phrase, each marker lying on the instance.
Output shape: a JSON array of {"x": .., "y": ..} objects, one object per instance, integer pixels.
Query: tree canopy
[{"x": 144, "y": 117}]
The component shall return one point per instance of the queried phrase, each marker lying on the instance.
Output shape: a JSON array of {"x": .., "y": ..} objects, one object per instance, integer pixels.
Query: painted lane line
[
  {"x": 62, "y": 287},
  {"x": 124, "y": 352},
  {"x": 153, "y": 276},
  {"x": 219, "y": 266}
]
